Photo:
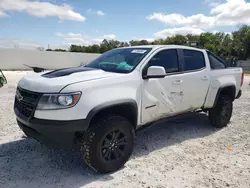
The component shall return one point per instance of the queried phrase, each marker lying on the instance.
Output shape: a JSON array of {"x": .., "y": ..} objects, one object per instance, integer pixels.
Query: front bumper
[{"x": 53, "y": 133}]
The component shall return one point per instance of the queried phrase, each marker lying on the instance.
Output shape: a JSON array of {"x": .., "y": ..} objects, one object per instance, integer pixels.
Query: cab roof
[{"x": 165, "y": 46}]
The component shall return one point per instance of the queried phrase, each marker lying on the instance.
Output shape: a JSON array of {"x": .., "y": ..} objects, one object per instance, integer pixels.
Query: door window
[
  {"x": 167, "y": 59},
  {"x": 193, "y": 60}
]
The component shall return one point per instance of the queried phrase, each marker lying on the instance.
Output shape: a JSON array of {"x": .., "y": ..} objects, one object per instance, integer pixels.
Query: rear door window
[
  {"x": 167, "y": 59},
  {"x": 193, "y": 60}
]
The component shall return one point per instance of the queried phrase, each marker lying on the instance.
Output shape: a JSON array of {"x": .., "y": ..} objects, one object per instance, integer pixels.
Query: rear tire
[
  {"x": 220, "y": 115},
  {"x": 107, "y": 144}
]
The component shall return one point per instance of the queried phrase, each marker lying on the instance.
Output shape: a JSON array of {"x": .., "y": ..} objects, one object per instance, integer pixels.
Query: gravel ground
[{"x": 185, "y": 153}]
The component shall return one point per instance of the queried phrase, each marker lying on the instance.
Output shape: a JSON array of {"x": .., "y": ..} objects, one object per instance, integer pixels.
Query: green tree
[
  {"x": 104, "y": 46},
  {"x": 124, "y": 44},
  {"x": 193, "y": 38},
  {"x": 236, "y": 44},
  {"x": 158, "y": 42},
  {"x": 95, "y": 48},
  {"x": 59, "y": 50},
  {"x": 241, "y": 42},
  {"x": 76, "y": 48},
  {"x": 134, "y": 43}
]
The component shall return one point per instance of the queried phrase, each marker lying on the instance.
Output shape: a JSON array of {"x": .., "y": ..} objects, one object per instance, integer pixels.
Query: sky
[{"x": 59, "y": 23}]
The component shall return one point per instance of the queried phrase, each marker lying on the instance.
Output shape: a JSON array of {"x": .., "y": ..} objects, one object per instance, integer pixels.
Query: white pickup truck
[{"x": 100, "y": 105}]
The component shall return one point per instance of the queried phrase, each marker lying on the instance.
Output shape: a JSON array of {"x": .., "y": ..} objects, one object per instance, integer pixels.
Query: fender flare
[
  {"x": 221, "y": 89},
  {"x": 110, "y": 104}
]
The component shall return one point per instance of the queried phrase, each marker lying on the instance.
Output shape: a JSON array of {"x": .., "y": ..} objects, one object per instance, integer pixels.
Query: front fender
[
  {"x": 111, "y": 104},
  {"x": 106, "y": 92}
]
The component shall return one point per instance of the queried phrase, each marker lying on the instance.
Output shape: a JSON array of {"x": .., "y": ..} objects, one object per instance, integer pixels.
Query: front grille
[
  {"x": 23, "y": 108},
  {"x": 26, "y": 101}
]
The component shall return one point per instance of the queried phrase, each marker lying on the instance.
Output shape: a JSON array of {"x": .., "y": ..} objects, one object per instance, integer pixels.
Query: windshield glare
[{"x": 122, "y": 60}]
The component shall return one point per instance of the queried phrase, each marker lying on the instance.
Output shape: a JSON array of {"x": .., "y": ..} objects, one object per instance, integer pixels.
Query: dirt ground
[{"x": 187, "y": 152}]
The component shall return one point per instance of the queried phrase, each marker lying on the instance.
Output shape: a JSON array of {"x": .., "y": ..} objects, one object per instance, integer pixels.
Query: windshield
[{"x": 122, "y": 60}]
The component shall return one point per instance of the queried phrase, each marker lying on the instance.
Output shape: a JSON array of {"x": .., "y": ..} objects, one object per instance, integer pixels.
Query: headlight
[{"x": 58, "y": 101}]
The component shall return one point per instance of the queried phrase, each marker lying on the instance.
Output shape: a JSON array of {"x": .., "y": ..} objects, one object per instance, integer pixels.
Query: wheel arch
[
  {"x": 227, "y": 90},
  {"x": 127, "y": 108}
]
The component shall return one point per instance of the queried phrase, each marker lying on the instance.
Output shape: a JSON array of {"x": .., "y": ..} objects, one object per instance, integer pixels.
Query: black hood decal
[{"x": 66, "y": 72}]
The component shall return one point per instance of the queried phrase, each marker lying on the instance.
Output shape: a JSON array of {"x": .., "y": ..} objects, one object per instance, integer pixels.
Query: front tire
[
  {"x": 220, "y": 115},
  {"x": 107, "y": 144}
]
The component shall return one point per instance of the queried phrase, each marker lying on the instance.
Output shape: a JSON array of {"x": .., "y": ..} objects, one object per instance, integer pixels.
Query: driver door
[{"x": 162, "y": 97}]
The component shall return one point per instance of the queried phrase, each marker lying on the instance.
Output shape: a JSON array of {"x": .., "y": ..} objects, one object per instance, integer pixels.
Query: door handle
[
  {"x": 204, "y": 77},
  {"x": 177, "y": 82}
]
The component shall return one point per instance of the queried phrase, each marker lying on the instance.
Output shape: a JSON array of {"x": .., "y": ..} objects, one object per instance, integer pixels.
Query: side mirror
[{"x": 156, "y": 72}]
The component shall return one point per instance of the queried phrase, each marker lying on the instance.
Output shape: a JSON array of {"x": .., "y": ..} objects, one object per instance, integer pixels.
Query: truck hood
[{"x": 54, "y": 81}]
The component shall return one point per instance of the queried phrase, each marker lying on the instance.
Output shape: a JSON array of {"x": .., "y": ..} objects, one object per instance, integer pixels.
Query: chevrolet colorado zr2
[{"x": 99, "y": 106}]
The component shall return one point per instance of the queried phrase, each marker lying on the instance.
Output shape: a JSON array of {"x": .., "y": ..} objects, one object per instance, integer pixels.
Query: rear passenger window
[
  {"x": 167, "y": 59},
  {"x": 215, "y": 62},
  {"x": 193, "y": 60}
]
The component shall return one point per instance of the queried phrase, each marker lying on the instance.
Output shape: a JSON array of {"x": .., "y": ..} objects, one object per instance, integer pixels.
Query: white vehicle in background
[{"x": 100, "y": 105}]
